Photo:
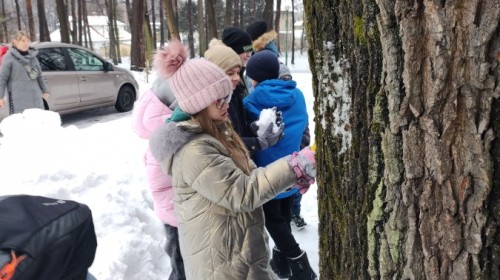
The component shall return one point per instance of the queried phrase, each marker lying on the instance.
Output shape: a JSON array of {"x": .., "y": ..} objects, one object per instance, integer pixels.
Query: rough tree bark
[{"x": 408, "y": 125}]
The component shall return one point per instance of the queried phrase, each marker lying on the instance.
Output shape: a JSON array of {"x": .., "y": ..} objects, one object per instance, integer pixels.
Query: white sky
[{"x": 98, "y": 160}]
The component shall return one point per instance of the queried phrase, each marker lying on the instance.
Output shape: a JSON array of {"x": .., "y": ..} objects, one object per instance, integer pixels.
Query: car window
[
  {"x": 52, "y": 59},
  {"x": 85, "y": 61}
]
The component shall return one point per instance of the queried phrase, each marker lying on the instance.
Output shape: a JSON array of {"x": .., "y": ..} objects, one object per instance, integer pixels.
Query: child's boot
[
  {"x": 301, "y": 269},
  {"x": 280, "y": 265}
]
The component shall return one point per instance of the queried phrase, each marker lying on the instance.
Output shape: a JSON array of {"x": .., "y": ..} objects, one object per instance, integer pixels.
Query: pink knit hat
[{"x": 196, "y": 83}]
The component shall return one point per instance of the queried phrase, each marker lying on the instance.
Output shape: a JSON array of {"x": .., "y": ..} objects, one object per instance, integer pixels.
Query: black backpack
[{"x": 45, "y": 238}]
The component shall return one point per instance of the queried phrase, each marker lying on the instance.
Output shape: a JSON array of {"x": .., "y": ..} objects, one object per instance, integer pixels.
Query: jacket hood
[
  {"x": 169, "y": 138},
  {"x": 264, "y": 39},
  {"x": 272, "y": 93}
]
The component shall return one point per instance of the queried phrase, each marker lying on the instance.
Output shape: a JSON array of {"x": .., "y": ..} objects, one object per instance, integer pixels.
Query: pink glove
[{"x": 303, "y": 165}]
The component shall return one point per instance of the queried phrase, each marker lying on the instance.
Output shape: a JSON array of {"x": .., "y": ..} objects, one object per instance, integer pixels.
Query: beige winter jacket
[{"x": 221, "y": 222}]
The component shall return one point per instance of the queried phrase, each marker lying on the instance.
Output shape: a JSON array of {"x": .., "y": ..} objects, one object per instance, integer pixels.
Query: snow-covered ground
[{"x": 96, "y": 158}]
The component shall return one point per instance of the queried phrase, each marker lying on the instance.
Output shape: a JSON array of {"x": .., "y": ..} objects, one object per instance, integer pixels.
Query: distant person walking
[{"x": 21, "y": 77}]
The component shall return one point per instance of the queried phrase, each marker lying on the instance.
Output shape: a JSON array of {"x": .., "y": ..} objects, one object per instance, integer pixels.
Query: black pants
[
  {"x": 173, "y": 251},
  {"x": 278, "y": 213}
]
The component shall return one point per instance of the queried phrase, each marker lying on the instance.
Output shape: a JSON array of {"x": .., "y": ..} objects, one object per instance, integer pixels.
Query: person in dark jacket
[
  {"x": 241, "y": 43},
  {"x": 288, "y": 260},
  {"x": 21, "y": 77}
]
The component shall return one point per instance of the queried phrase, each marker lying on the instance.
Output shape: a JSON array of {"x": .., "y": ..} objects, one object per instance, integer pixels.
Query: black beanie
[
  {"x": 263, "y": 65},
  {"x": 256, "y": 29},
  {"x": 237, "y": 39}
]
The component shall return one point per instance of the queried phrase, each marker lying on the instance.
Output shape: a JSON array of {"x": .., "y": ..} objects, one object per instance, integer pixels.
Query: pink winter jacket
[{"x": 149, "y": 113}]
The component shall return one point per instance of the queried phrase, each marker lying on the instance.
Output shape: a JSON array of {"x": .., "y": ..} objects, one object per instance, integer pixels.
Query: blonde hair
[
  {"x": 233, "y": 144},
  {"x": 18, "y": 36}
]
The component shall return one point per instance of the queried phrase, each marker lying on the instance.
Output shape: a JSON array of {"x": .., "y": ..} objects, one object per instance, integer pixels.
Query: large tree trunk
[
  {"x": 138, "y": 51},
  {"x": 277, "y": 19},
  {"x": 228, "y": 15},
  {"x": 18, "y": 14},
  {"x": 111, "y": 31},
  {"x": 74, "y": 26},
  {"x": 190, "y": 28},
  {"x": 171, "y": 20},
  {"x": 62, "y": 14},
  {"x": 162, "y": 24},
  {"x": 407, "y": 112},
  {"x": 267, "y": 14},
  {"x": 202, "y": 31},
  {"x": 42, "y": 22},
  {"x": 211, "y": 18},
  {"x": 3, "y": 24},
  {"x": 31, "y": 20}
]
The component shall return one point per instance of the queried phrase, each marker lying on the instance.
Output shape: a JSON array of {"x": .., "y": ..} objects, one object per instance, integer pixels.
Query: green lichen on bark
[{"x": 359, "y": 30}]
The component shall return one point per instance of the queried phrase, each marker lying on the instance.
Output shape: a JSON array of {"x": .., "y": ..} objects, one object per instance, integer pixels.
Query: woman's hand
[
  {"x": 2, "y": 102},
  {"x": 45, "y": 95}
]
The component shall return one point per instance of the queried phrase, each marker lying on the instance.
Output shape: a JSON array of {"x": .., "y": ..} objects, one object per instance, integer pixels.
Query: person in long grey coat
[
  {"x": 219, "y": 192},
  {"x": 21, "y": 77}
]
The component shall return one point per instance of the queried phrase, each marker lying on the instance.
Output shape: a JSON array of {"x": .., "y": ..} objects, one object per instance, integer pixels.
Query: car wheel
[{"x": 125, "y": 99}]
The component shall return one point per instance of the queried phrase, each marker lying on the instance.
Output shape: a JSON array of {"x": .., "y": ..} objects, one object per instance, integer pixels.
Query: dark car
[{"x": 79, "y": 79}]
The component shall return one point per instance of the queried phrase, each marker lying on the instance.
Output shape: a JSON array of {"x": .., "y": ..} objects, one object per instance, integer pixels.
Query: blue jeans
[{"x": 173, "y": 250}]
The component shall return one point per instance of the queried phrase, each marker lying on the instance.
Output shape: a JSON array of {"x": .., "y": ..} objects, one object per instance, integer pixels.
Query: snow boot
[
  {"x": 280, "y": 265},
  {"x": 301, "y": 269},
  {"x": 298, "y": 222}
]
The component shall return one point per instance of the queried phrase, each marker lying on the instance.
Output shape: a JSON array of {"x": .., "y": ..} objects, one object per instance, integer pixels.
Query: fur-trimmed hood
[
  {"x": 261, "y": 42},
  {"x": 169, "y": 138}
]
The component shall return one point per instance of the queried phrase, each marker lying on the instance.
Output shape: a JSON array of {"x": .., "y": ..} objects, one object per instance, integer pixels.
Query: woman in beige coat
[{"x": 218, "y": 190}]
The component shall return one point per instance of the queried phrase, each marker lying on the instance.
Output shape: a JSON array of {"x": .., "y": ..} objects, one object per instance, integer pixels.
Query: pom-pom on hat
[
  {"x": 222, "y": 55},
  {"x": 256, "y": 29},
  {"x": 263, "y": 65},
  {"x": 237, "y": 39},
  {"x": 196, "y": 83}
]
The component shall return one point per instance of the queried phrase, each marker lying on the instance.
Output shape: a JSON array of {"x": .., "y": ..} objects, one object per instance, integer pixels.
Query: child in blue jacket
[{"x": 288, "y": 260}]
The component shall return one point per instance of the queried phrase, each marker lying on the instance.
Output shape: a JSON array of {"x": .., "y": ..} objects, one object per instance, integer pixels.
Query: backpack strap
[{"x": 9, "y": 269}]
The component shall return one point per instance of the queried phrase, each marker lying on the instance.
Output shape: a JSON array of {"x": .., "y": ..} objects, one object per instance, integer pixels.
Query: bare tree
[
  {"x": 211, "y": 18},
  {"x": 228, "y": 15},
  {"x": 62, "y": 14},
  {"x": 116, "y": 34},
  {"x": 293, "y": 33},
  {"x": 277, "y": 22},
  {"x": 201, "y": 28},
  {"x": 162, "y": 24},
  {"x": 111, "y": 31},
  {"x": 86, "y": 26},
  {"x": 4, "y": 36},
  {"x": 31, "y": 21},
  {"x": 18, "y": 14},
  {"x": 42, "y": 22},
  {"x": 138, "y": 52},
  {"x": 171, "y": 19},
  {"x": 128, "y": 7},
  {"x": 74, "y": 18},
  {"x": 268, "y": 13},
  {"x": 148, "y": 36},
  {"x": 190, "y": 27},
  {"x": 407, "y": 126}
]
